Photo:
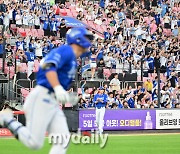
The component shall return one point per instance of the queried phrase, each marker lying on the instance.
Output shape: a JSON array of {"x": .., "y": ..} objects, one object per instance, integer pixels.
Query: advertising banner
[
  {"x": 167, "y": 119},
  {"x": 119, "y": 119}
]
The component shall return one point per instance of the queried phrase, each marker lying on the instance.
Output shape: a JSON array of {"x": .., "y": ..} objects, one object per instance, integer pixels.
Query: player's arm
[
  {"x": 52, "y": 78},
  {"x": 95, "y": 99},
  {"x": 50, "y": 65}
]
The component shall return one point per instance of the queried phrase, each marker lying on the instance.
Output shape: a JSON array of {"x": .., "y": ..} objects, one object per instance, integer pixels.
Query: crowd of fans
[{"x": 137, "y": 34}]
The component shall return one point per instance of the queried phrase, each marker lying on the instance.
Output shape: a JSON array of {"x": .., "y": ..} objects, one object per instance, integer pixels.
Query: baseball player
[
  {"x": 100, "y": 101},
  {"x": 41, "y": 107}
]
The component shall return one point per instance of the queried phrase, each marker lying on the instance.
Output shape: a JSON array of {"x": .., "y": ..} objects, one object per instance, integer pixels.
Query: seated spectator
[
  {"x": 177, "y": 105},
  {"x": 175, "y": 31},
  {"x": 125, "y": 105},
  {"x": 80, "y": 16},
  {"x": 110, "y": 100},
  {"x": 98, "y": 21}
]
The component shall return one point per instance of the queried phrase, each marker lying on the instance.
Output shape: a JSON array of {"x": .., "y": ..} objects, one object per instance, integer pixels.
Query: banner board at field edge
[{"x": 119, "y": 119}]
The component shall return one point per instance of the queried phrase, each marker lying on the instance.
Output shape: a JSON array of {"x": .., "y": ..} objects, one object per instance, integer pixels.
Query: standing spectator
[
  {"x": 107, "y": 35},
  {"x": 2, "y": 6},
  {"x": 93, "y": 64},
  {"x": 18, "y": 19},
  {"x": 46, "y": 27},
  {"x": 53, "y": 26},
  {"x": 148, "y": 85},
  {"x": 115, "y": 83},
  {"x": 20, "y": 43},
  {"x": 30, "y": 62},
  {"x": 32, "y": 46},
  {"x": 38, "y": 50},
  {"x": 100, "y": 67},
  {"x": 62, "y": 29},
  {"x": 25, "y": 19},
  {"x": 37, "y": 20},
  {"x": 1, "y": 22},
  {"x": 20, "y": 58},
  {"x": 31, "y": 20},
  {"x": 1, "y": 48},
  {"x": 6, "y": 22},
  {"x": 167, "y": 21},
  {"x": 45, "y": 49}
]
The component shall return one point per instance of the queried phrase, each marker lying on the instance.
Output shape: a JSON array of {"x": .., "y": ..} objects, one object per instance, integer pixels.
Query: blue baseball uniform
[
  {"x": 42, "y": 104},
  {"x": 65, "y": 65},
  {"x": 100, "y": 101},
  {"x": 103, "y": 98}
]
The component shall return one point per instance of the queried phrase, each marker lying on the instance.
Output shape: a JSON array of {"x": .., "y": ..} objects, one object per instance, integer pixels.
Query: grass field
[{"x": 117, "y": 144}]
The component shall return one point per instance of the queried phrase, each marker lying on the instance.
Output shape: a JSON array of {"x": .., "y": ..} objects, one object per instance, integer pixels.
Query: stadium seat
[
  {"x": 25, "y": 92},
  {"x": 23, "y": 67},
  {"x": 34, "y": 32},
  {"x": 107, "y": 73},
  {"x": 40, "y": 32},
  {"x": 68, "y": 105},
  {"x": 79, "y": 91}
]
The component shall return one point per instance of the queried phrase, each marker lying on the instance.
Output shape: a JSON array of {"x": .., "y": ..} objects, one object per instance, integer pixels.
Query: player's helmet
[{"x": 79, "y": 36}]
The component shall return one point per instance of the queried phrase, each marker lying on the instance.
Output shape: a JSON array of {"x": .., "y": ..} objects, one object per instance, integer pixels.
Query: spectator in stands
[
  {"x": 115, "y": 83},
  {"x": 3, "y": 6},
  {"x": 8, "y": 50},
  {"x": 177, "y": 105},
  {"x": 32, "y": 46},
  {"x": 53, "y": 26},
  {"x": 111, "y": 100},
  {"x": 62, "y": 29},
  {"x": 93, "y": 63},
  {"x": 31, "y": 19},
  {"x": 148, "y": 85},
  {"x": 25, "y": 19},
  {"x": 80, "y": 16},
  {"x": 20, "y": 43},
  {"x": 107, "y": 35},
  {"x": 100, "y": 67},
  {"x": 82, "y": 102},
  {"x": 30, "y": 62},
  {"x": 6, "y": 22},
  {"x": 18, "y": 19},
  {"x": 20, "y": 58},
  {"x": 38, "y": 50},
  {"x": 37, "y": 20},
  {"x": 1, "y": 22},
  {"x": 175, "y": 31},
  {"x": 125, "y": 105},
  {"x": 46, "y": 27},
  {"x": 86, "y": 96}
]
